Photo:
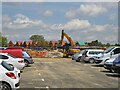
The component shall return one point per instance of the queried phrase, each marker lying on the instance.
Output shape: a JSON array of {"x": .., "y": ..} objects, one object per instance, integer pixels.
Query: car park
[
  {"x": 108, "y": 64},
  {"x": 17, "y": 62},
  {"x": 116, "y": 65},
  {"x": 90, "y": 54},
  {"x": 9, "y": 77},
  {"x": 111, "y": 52}
]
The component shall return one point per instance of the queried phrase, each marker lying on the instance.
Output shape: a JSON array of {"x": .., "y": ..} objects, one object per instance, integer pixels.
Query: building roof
[
  {"x": 27, "y": 42},
  {"x": 11, "y": 42},
  {"x": 20, "y": 42},
  {"x": 81, "y": 43},
  {"x": 68, "y": 42},
  {"x": 63, "y": 43}
]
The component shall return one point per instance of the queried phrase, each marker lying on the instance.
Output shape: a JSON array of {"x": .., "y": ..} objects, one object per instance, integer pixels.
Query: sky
[{"x": 82, "y": 21}]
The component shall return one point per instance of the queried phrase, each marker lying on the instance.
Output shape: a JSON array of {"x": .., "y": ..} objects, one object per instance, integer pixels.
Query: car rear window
[{"x": 6, "y": 66}]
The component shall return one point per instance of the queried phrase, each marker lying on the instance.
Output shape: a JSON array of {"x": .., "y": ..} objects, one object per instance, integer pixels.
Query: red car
[{"x": 17, "y": 53}]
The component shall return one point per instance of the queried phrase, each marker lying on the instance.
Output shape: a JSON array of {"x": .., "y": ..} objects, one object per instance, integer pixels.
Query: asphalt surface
[{"x": 66, "y": 73}]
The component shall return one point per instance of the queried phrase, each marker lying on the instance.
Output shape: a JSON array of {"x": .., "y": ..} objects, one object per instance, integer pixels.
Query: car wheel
[
  {"x": 91, "y": 60},
  {"x": 79, "y": 59},
  {"x": 26, "y": 63},
  {"x": 4, "y": 86}
]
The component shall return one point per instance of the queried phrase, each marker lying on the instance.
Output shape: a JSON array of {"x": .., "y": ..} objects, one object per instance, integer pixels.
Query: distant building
[
  {"x": 19, "y": 43},
  {"x": 26, "y": 44},
  {"x": 53, "y": 43},
  {"x": 10, "y": 44},
  {"x": 80, "y": 43}
]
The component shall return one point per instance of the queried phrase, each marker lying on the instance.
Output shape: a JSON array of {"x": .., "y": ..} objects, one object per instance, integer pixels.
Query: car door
[{"x": 115, "y": 53}]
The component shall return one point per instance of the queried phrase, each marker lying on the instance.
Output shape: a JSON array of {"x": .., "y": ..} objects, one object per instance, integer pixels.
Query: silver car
[{"x": 78, "y": 56}]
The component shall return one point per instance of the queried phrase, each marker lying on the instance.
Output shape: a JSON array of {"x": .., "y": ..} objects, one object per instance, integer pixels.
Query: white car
[
  {"x": 90, "y": 54},
  {"x": 17, "y": 62},
  {"x": 9, "y": 76},
  {"x": 108, "y": 64},
  {"x": 109, "y": 53}
]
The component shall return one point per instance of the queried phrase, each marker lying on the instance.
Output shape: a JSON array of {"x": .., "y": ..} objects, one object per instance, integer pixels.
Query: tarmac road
[{"x": 66, "y": 73}]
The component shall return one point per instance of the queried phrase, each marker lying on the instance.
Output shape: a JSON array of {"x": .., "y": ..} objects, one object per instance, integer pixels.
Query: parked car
[
  {"x": 17, "y": 62},
  {"x": 3, "y": 48},
  {"x": 90, "y": 54},
  {"x": 78, "y": 56},
  {"x": 9, "y": 77},
  {"x": 38, "y": 49},
  {"x": 28, "y": 59},
  {"x": 111, "y": 52},
  {"x": 116, "y": 65},
  {"x": 9, "y": 48},
  {"x": 17, "y": 53},
  {"x": 26, "y": 55},
  {"x": 108, "y": 64}
]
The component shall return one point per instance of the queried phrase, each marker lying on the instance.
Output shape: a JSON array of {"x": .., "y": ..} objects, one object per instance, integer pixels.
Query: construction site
[
  {"x": 60, "y": 48},
  {"x": 59, "y": 45}
]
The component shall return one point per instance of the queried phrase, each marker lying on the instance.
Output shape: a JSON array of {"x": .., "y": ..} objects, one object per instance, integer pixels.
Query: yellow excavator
[{"x": 69, "y": 51}]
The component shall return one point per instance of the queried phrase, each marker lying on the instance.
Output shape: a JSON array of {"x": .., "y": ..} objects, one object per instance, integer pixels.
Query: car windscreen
[
  {"x": 108, "y": 50},
  {"x": 85, "y": 52},
  {"x": 81, "y": 52},
  {"x": 6, "y": 66},
  {"x": 11, "y": 56}
]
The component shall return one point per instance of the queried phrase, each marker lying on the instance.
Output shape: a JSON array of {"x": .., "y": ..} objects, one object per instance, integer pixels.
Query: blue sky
[{"x": 81, "y": 20}]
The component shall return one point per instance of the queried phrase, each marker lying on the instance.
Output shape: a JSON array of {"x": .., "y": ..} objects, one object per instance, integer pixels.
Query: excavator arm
[{"x": 69, "y": 39}]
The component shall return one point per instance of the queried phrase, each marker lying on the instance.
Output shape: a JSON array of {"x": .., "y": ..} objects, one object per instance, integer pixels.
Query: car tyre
[
  {"x": 91, "y": 60},
  {"x": 5, "y": 86},
  {"x": 26, "y": 63}
]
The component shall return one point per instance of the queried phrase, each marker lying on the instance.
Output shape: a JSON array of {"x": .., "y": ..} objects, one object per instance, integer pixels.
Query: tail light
[
  {"x": 86, "y": 55},
  {"x": 30, "y": 56},
  {"x": 11, "y": 75},
  {"x": 21, "y": 61}
]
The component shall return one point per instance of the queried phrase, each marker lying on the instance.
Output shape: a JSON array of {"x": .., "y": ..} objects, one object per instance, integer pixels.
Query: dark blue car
[{"x": 116, "y": 65}]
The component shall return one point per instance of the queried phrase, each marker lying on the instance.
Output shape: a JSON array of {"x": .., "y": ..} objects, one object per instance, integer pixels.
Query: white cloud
[
  {"x": 77, "y": 29},
  {"x": 20, "y": 16},
  {"x": 48, "y": 13},
  {"x": 99, "y": 28},
  {"x": 85, "y": 10},
  {"x": 111, "y": 38},
  {"x": 76, "y": 24},
  {"x": 112, "y": 16}
]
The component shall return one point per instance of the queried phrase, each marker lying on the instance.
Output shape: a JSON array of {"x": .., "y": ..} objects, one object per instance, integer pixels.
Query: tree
[
  {"x": 43, "y": 44},
  {"x": 107, "y": 44},
  {"x": 37, "y": 38},
  {"x": 3, "y": 41}
]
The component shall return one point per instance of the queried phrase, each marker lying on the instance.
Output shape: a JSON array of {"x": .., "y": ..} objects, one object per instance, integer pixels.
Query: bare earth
[{"x": 66, "y": 73}]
